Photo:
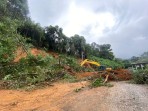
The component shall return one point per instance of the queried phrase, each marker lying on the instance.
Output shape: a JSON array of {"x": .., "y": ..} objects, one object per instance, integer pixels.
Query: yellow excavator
[{"x": 101, "y": 68}]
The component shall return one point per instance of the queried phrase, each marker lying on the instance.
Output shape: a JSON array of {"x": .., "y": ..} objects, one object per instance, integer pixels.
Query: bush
[
  {"x": 97, "y": 82},
  {"x": 141, "y": 76},
  {"x": 8, "y": 40},
  {"x": 32, "y": 70},
  {"x": 71, "y": 62},
  {"x": 69, "y": 78}
]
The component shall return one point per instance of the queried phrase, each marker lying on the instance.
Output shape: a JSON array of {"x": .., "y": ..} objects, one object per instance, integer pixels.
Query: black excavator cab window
[{"x": 102, "y": 68}]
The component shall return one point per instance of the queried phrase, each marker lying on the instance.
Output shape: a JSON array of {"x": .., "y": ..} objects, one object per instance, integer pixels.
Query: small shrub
[
  {"x": 69, "y": 78},
  {"x": 97, "y": 82},
  {"x": 71, "y": 62},
  {"x": 141, "y": 76},
  {"x": 78, "y": 89}
]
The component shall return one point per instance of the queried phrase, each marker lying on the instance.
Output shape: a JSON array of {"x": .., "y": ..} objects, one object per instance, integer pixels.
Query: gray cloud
[
  {"x": 47, "y": 11},
  {"x": 128, "y": 36}
]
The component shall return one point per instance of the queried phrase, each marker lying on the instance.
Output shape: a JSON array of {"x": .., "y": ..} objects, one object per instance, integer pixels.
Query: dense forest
[{"x": 18, "y": 30}]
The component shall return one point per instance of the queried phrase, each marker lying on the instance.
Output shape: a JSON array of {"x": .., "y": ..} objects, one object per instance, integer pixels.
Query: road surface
[{"x": 122, "y": 96}]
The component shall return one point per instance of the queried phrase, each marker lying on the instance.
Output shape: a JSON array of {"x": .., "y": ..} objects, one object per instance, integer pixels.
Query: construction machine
[{"x": 101, "y": 68}]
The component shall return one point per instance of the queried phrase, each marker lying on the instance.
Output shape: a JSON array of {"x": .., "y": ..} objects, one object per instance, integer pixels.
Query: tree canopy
[
  {"x": 52, "y": 38},
  {"x": 15, "y": 9}
]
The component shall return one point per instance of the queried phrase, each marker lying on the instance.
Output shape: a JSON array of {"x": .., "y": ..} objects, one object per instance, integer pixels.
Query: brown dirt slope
[{"x": 20, "y": 53}]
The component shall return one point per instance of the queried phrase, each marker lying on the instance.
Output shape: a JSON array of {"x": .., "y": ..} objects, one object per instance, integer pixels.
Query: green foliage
[
  {"x": 55, "y": 39},
  {"x": 101, "y": 51},
  {"x": 33, "y": 31},
  {"x": 97, "y": 82},
  {"x": 52, "y": 38},
  {"x": 15, "y": 27},
  {"x": 3, "y": 7},
  {"x": 8, "y": 39},
  {"x": 79, "y": 44},
  {"x": 71, "y": 62},
  {"x": 141, "y": 76},
  {"x": 126, "y": 63},
  {"x": 105, "y": 52},
  {"x": 100, "y": 82},
  {"x": 14, "y": 9},
  {"x": 32, "y": 70},
  {"x": 107, "y": 63},
  {"x": 69, "y": 78}
]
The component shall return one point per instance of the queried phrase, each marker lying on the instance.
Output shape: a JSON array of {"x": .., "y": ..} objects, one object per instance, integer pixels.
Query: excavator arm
[
  {"x": 95, "y": 63},
  {"x": 103, "y": 68},
  {"x": 90, "y": 62}
]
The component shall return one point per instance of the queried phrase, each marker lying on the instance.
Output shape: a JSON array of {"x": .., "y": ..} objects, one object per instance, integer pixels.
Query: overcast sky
[{"x": 121, "y": 23}]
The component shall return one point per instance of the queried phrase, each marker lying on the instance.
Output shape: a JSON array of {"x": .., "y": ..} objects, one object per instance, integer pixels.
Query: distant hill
[{"x": 142, "y": 58}]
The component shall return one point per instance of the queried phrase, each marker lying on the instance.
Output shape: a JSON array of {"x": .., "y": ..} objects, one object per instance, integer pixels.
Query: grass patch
[
  {"x": 100, "y": 82},
  {"x": 97, "y": 82},
  {"x": 69, "y": 78}
]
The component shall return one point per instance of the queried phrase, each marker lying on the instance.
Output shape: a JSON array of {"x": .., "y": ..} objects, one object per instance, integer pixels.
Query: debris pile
[
  {"x": 119, "y": 74},
  {"x": 122, "y": 74}
]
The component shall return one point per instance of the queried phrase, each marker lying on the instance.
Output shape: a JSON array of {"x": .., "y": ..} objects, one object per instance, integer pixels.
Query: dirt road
[{"x": 62, "y": 97}]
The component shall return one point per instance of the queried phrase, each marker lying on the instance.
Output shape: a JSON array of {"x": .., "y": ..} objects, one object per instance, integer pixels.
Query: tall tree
[
  {"x": 50, "y": 36},
  {"x": 33, "y": 31},
  {"x": 55, "y": 38},
  {"x": 15, "y": 9},
  {"x": 105, "y": 51},
  {"x": 3, "y": 8},
  {"x": 95, "y": 49},
  {"x": 79, "y": 44}
]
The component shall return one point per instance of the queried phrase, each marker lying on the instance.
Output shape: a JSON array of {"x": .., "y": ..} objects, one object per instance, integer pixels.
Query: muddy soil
[
  {"x": 122, "y": 96},
  {"x": 116, "y": 75}
]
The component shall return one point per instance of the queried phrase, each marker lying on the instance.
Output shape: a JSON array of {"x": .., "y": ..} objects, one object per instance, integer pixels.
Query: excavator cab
[{"x": 101, "y": 68}]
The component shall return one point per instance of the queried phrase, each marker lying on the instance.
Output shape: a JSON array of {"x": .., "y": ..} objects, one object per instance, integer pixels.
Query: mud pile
[{"x": 120, "y": 74}]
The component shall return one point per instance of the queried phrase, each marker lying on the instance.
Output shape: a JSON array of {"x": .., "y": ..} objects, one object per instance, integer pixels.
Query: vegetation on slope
[
  {"x": 17, "y": 30},
  {"x": 108, "y": 63},
  {"x": 141, "y": 76}
]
